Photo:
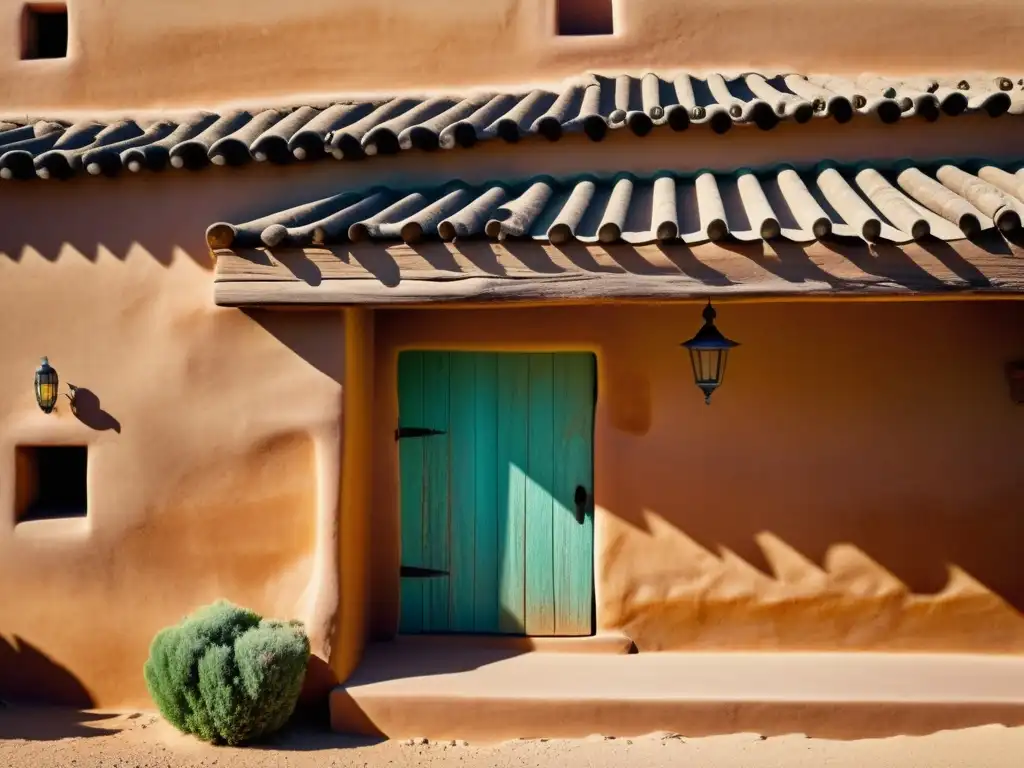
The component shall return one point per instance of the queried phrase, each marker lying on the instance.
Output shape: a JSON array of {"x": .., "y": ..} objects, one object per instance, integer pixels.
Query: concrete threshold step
[{"x": 492, "y": 694}]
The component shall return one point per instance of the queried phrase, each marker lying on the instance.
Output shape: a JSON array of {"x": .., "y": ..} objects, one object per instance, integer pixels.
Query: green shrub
[{"x": 227, "y": 675}]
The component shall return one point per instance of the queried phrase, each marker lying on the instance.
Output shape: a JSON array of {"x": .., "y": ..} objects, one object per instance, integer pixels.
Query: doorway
[{"x": 496, "y": 463}]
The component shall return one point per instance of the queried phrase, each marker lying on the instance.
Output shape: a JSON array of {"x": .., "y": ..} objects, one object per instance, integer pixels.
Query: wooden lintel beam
[{"x": 531, "y": 272}]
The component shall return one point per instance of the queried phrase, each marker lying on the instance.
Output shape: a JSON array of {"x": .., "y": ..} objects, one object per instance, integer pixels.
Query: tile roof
[
  {"x": 592, "y": 105},
  {"x": 894, "y": 204}
]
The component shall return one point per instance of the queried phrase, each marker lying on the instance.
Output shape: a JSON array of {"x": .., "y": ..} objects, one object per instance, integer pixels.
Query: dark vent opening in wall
[
  {"x": 50, "y": 481},
  {"x": 44, "y": 31},
  {"x": 585, "y": 17}
]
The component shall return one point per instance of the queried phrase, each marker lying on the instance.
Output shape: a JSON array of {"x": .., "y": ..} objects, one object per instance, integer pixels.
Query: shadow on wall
[
  {"x": 28, "y": 676},
  {"x": 295, "y": 330},
  {"x": 317, "y": 683},
  {"x": 163, "y": 214},
  {"x": 87, "y": 410},
  {"x": 922, "y": 547}
]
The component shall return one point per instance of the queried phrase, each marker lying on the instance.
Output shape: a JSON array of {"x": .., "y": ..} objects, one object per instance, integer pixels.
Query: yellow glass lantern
[{"x": 46, "y": 386}]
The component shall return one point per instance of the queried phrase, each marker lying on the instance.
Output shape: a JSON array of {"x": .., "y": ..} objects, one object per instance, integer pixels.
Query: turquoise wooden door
[{"x": 497, "y": 527}]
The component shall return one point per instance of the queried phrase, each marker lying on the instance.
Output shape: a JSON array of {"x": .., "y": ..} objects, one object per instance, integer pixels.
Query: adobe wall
[
  {"x": 130, "y": 54},
  {"x": 855, "y": 484},
  {"x": 214, "y": 435},
  {"x": 227, "y": 418}
]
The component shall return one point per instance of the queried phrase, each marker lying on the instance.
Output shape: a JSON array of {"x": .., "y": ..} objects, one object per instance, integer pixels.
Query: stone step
[{"x": 457, "y": 691}]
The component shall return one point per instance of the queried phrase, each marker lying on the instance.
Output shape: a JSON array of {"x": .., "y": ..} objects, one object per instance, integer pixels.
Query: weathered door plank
[
  {"x": 512, "y": 462},
  {"x": 410, "y": 456},
  {"x": 573, "y": 458},
  {"x": 540, "y": 587},
  {"x": 436, "y": 458},
  {"x": 486, "y": 446},
  {"x": 462, "y": 484}
]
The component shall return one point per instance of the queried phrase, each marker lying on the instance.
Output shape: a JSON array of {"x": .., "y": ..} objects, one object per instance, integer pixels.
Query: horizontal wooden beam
[{"x": 480, "y": 272}]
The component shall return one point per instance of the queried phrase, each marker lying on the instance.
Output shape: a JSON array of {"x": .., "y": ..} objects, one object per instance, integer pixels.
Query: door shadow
[{"x": 409, "y": 656}]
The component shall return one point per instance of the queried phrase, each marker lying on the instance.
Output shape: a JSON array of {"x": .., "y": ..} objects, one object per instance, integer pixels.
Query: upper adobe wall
[{"x": 181, "y": 53}]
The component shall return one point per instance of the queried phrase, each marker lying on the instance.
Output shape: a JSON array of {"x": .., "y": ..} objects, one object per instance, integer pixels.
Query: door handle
[{"x": 581, "y": 503}]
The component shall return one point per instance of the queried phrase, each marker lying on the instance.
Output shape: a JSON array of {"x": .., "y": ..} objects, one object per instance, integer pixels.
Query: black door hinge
[
  {"x": 415, "y": 572},
  {"x": 402, "y": 432}
]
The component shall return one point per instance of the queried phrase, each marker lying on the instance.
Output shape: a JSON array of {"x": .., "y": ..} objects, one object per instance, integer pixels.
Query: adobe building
[{"x": 373, "y": 315}]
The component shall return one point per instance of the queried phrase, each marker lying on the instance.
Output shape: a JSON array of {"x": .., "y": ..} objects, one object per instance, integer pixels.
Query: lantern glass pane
[
  {"x": 717, "y": 363},
  {"x": 47, "y": 391},
  {"x": 694, "y": 355},
  {"x": 723, "y": 359},
  {"x": 706, "y": 362}
]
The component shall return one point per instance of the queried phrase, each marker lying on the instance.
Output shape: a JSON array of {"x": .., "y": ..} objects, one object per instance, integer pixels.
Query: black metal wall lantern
[
  {"x": 47, "y": 384},
  {"x": 709, "y": 352}
]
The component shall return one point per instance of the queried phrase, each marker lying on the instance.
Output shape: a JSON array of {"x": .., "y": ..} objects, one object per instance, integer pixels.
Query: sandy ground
[{"x": 64, "y": 739}]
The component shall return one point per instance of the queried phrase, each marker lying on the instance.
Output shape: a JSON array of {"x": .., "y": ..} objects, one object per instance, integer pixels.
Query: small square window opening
[
  {"x": 44, "y": 31},
  {"x": 50, "y": 482},
  {"x": 584, "y": 17}
]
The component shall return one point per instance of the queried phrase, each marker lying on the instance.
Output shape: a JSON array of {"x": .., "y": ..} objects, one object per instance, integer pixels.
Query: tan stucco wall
[
  {"x": 214, "y": 447},
  {"x": 856, "y": 483},
  {"x": 133, "y": 53}
]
